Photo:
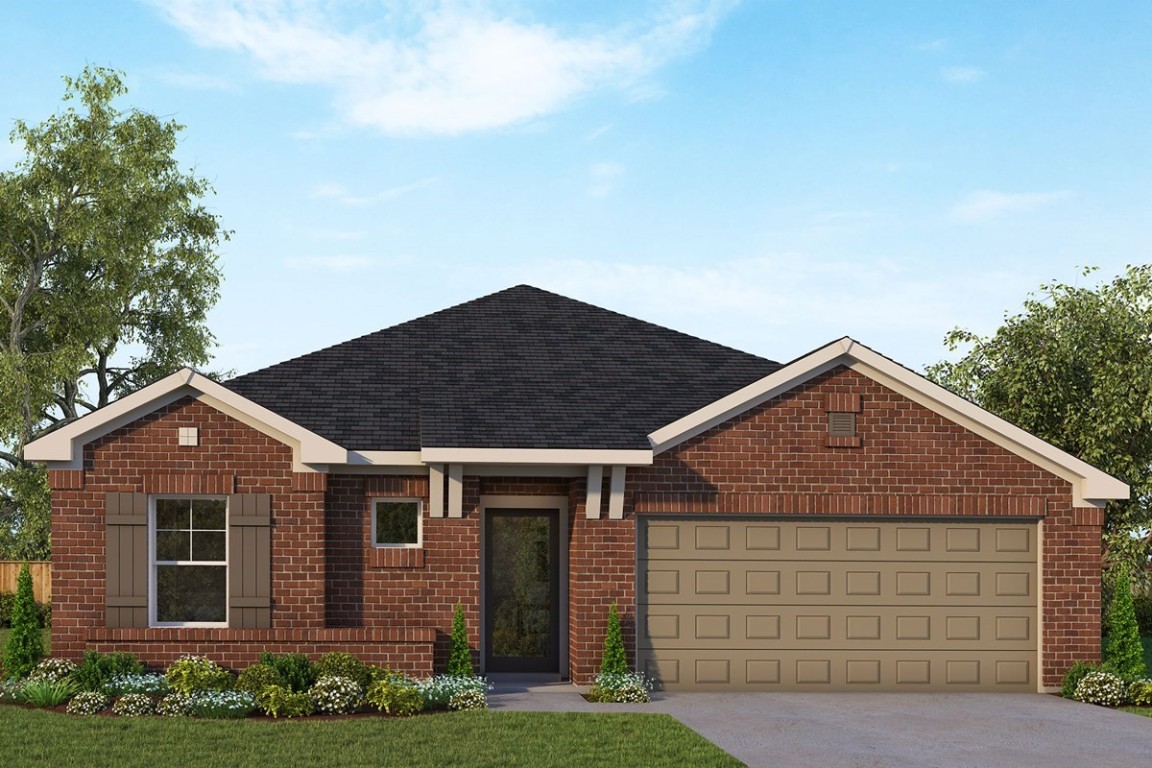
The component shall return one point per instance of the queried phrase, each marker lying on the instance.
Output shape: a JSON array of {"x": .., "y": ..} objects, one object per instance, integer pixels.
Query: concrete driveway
[{"x": 829, "y": 730}]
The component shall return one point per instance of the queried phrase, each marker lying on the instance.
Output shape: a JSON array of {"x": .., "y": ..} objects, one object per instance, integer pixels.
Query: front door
[{"x": 522, "y": 604}]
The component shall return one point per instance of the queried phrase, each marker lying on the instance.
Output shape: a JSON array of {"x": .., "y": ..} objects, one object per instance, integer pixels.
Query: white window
[
  {"x": 188, "y": 546},
  {"x": 396, "y": 523}
]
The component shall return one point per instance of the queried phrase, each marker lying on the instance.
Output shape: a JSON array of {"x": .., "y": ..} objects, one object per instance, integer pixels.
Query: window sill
[{"x": 396, "y": 557}]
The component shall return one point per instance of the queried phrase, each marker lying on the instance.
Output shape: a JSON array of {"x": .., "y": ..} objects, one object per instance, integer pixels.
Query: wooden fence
[{"x": 41, "y": 578}]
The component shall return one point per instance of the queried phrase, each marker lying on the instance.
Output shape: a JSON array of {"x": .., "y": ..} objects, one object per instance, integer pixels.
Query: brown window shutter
[
  {"x": 126, "y": 554},
  {"x": 250, "y": 561}
]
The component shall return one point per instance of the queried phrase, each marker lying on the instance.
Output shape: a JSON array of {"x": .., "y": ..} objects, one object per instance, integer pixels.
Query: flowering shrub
[
  {"x": 221, "y": 704},
  {"x": 439, "y": 690},
  {"x": 336, "y": 695},
  {"x": 279, "y": 701},
  {"x": 174, "y": 705},
  {"x": 55, "y": 670},
  {"x": 1140, "y": 693},
  {"x": 134, "y": 705},
  {"x": 396, "y": 695},
  {"x": 196, "y": 673},
  {"x": 469, "y": 698},
  {"x": 621, "y": 688},
  {"x": 1103, "y": 688},
  {"x": 45, "y": 692},
  {"x": 8, "y": 689},
  {"x": 98, "y": 668},
  {"x": 153, "y": 685},
  {"x": 340, "y": 664},
  {"x": 87, "y": 703}
]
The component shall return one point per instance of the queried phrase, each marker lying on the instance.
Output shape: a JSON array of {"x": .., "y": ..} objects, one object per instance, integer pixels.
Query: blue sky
[{"x": 769, "y": 174}]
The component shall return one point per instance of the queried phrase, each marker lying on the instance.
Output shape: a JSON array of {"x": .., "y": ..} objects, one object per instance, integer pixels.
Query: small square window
[
  {"x": 396, "y": 523},
  {"x": 188, "y": 436}
]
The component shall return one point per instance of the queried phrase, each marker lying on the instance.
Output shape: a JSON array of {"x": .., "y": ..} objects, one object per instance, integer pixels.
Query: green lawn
[{"x": 37, "y": 738}]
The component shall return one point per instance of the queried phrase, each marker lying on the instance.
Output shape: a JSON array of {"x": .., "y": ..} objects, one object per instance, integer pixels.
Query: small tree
[
  {"x": 1123, "y": 654},
  {"x": 24, "y": 648},
  {"x": 614, "y": 661},
  {"x": 460, "y": 659}
]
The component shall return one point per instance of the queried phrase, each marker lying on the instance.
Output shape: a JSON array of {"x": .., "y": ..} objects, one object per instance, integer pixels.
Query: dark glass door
[{"x": 522, "y": 608}]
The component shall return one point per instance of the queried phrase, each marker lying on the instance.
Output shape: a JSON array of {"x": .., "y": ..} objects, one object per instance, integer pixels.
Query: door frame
[{"x": 559, "y": 505}]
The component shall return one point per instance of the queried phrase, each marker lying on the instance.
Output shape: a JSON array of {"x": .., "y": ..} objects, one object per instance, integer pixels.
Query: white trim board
[{"x": 1090, "y": 486}]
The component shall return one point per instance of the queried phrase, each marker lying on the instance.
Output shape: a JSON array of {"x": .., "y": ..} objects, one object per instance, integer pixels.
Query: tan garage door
[{"x": 772, "y": 605}]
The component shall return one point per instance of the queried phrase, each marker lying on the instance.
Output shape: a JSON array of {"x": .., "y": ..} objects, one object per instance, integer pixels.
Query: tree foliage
[
  {"x": 615, "y": 660},
  {"x": 107, "y": 272},
  {"x": 1075, "y": 368},
  {"x": 460, "y": 656}
]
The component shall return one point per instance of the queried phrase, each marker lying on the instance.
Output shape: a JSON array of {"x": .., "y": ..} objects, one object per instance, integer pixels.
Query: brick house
[{"x": 834, "y": 523}]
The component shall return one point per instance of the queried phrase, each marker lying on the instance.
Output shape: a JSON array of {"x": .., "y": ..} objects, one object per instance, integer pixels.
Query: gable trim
[
  {"x": 63, "y": 448},
  {"x": 1090, "y": 486}
]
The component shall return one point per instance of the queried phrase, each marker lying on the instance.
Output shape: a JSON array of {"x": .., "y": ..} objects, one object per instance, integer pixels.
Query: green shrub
[
  {"x": 8, "y": 599},
  {"x": 45, "y": 692},
  {"x": 621, "y": 688},
  {"x": 24, "y": 648},
  {"x": 295, "y": 668},
  {"x": 395, "y": 695},
  {"x": 336, "y": 695},
  {"x": 439, "y": 690},
  {"x": 340, "y": 664},
  {"x": 1123, "y": 653},
  {"x": 134, "y": 705},
  {"x": 97, "y": 669},
  {"x": 1073, "y": 677},
  {"x": 278, "y": 701},
  {"x": 460, "y": 657},
  {"x": 615, "y": 661},
  {"x": 196, "y": 673},
  {"x": 1142, "y": 607},
  {"x": 1102, "y": 688},
  {"x": 1140, "y": 693},
  {"x": 87, "y": 703},
  {"x": 221, "y": 705},
  {"x": 257, "y": 677}
]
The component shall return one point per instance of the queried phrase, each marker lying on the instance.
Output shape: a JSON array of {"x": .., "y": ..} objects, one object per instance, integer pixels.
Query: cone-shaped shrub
[
  {"x": 460, "y": 659},
  {"x": 1123, "y": 654},
  {"x": 24, "y": 648},
  {"x": 614, "y": 661}
]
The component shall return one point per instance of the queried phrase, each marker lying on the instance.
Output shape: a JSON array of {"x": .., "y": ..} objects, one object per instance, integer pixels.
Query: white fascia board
[
  {"x": 65, "y": 446},
  {"x": 385, "y": 458},
  {"x": 534, "y": 456},
  {"x": 1090, "y": 486}
]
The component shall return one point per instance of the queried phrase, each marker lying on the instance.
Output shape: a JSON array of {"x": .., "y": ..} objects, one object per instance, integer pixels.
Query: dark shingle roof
[{"x": 522, "y": 368}]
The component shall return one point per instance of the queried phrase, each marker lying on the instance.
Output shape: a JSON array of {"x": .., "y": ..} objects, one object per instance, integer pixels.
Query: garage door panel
[
  {"x": 860, "y": 669},
  {"x": 753, "y": 603},
  {"x": 837, "y": 583},
  {"x": 840, "y": 626},
  {"x": 678, "y": 539}
]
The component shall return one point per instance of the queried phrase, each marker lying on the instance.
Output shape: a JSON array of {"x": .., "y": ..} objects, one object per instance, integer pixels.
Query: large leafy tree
[
  {"x": 1075, "y": 368},
  {"x": 108, "y": 268}
]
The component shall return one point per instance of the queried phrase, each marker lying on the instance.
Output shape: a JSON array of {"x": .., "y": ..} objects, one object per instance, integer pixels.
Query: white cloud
[
  {"x": 963, "y": 74},
  {"x": 340, "y": 194},
  {"x": 603, "y": 178},
  {"x": 443, "y": 66},
  {"x": 597, "y": 133},
  {"x": 985, "y": 204}
]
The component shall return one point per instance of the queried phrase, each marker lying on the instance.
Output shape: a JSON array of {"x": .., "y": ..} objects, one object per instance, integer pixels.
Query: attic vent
[
  {"x": 188, "y": 436},
  {"x": 842, "y": 424}
]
